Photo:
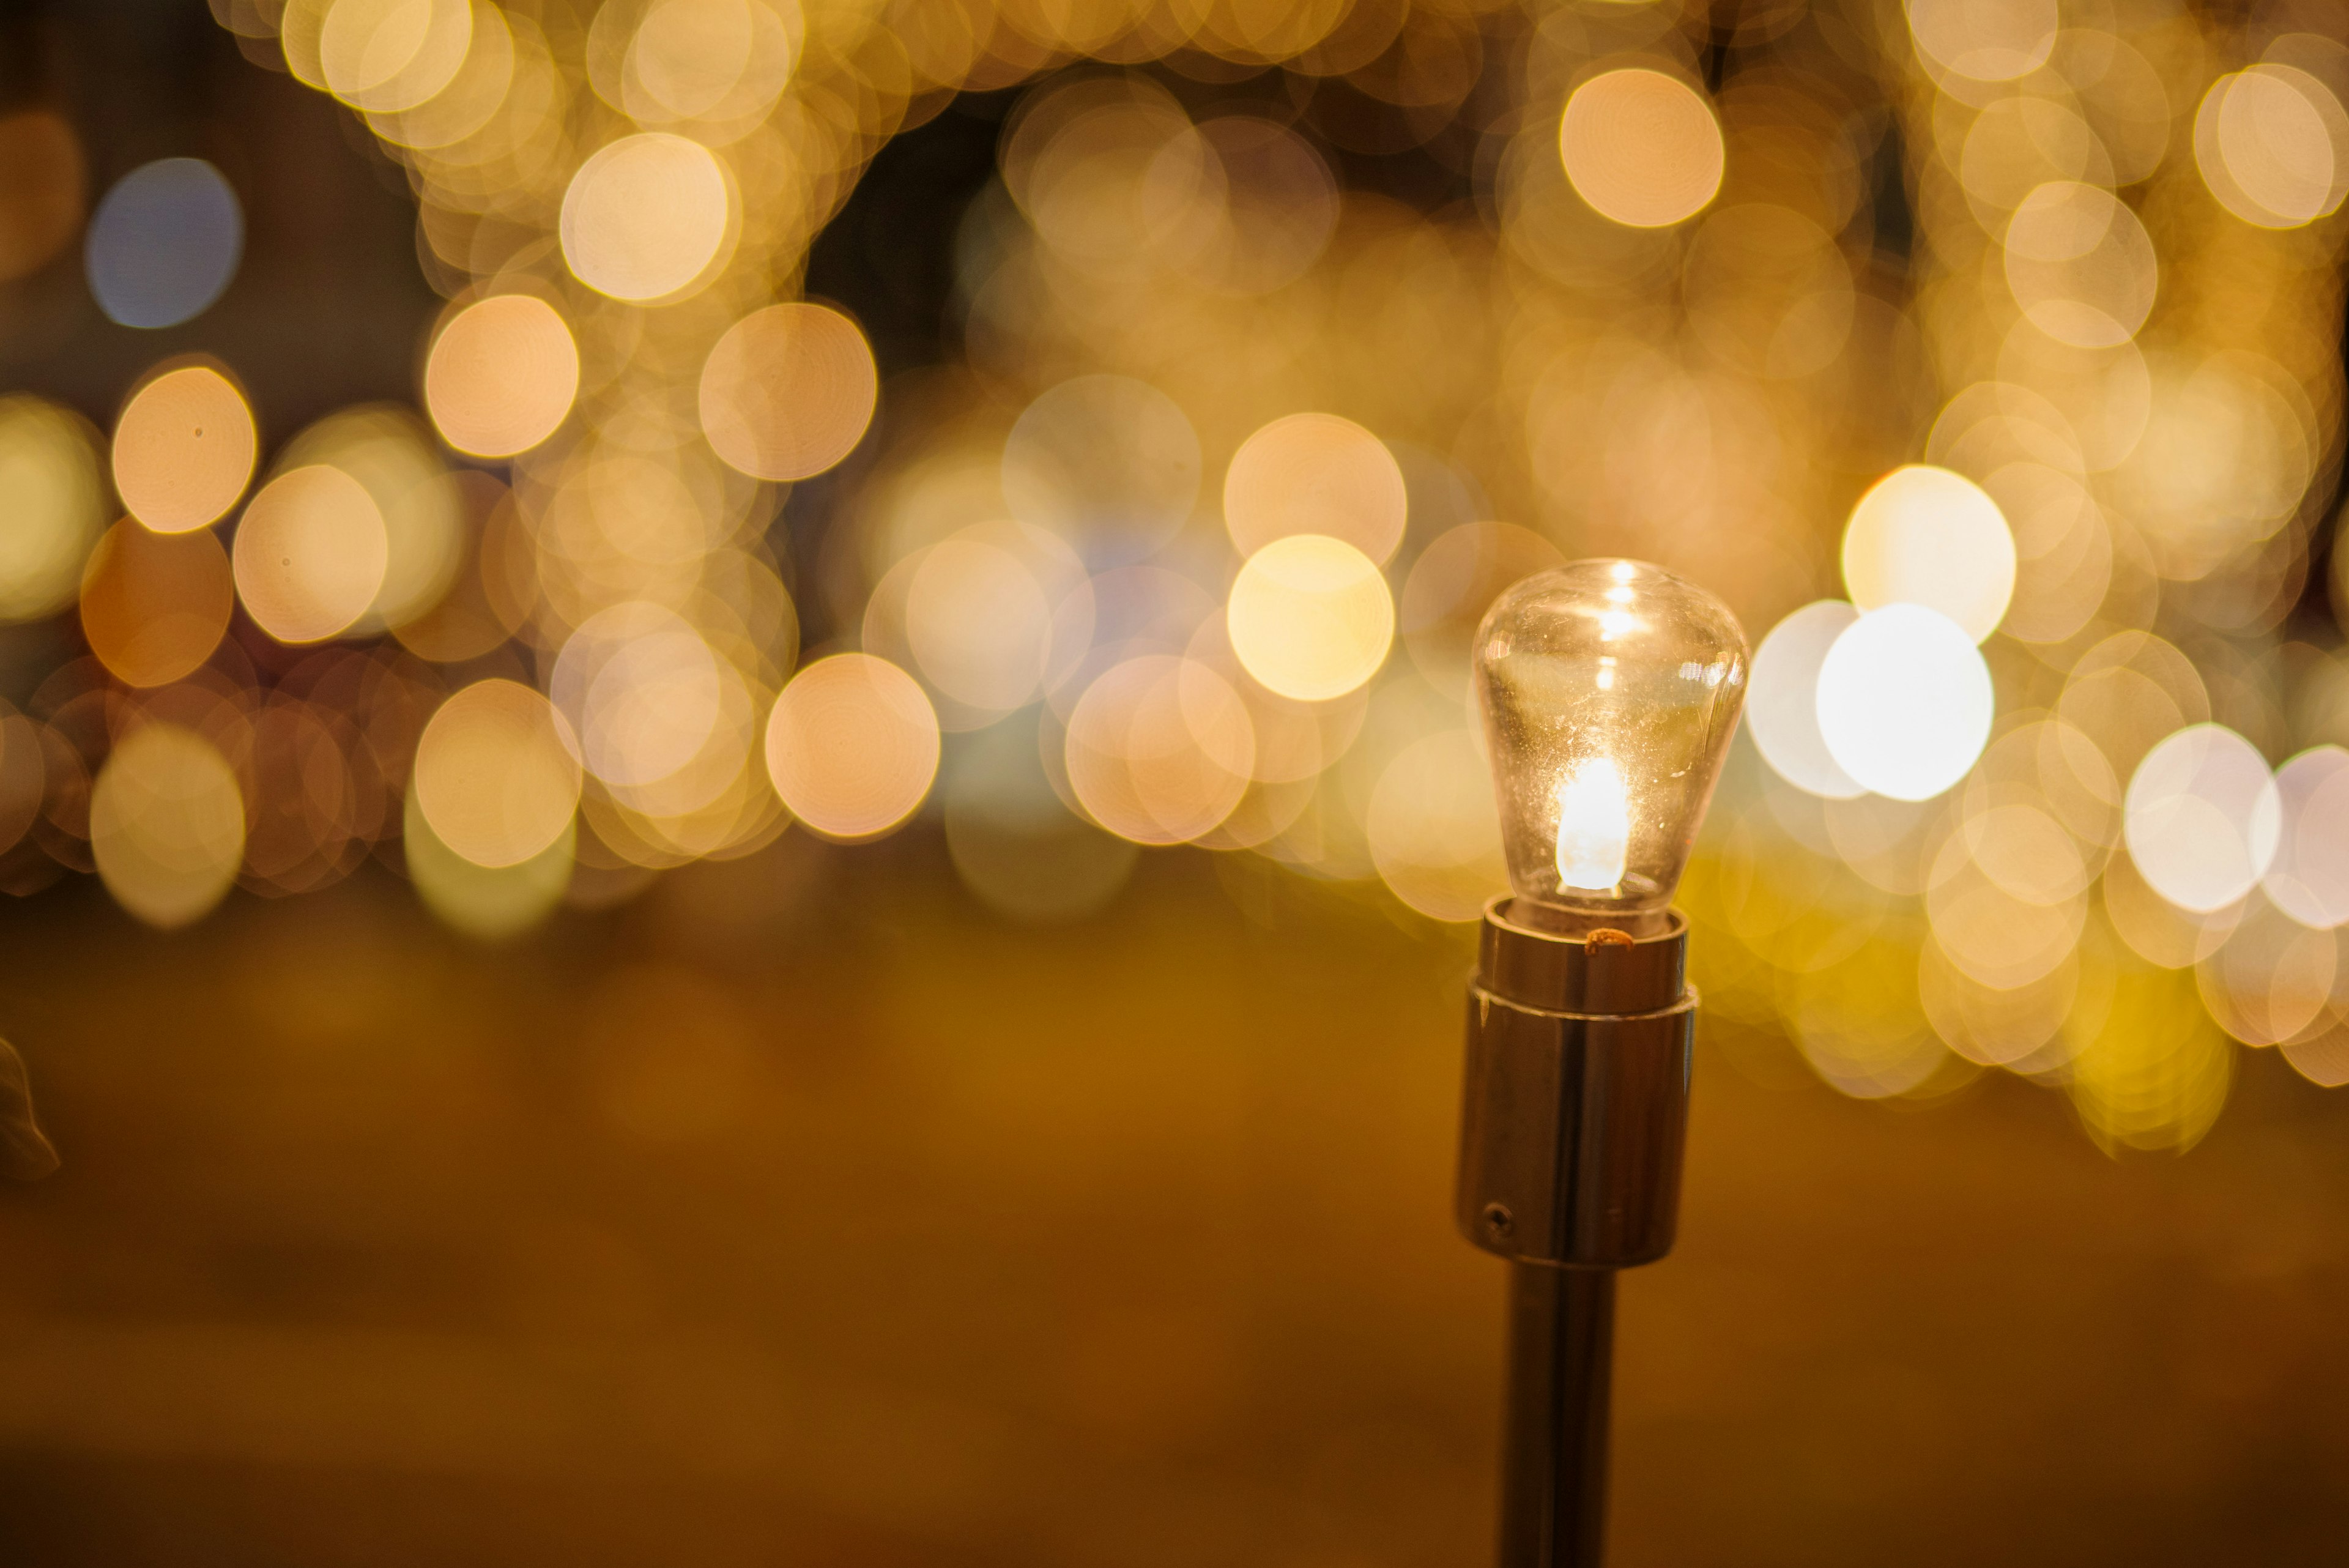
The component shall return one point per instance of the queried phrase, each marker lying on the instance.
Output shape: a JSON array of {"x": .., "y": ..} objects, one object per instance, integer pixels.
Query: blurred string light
[
  {"x": 50, "y": 470},
  {"x": 486, "y": 901},
  {"x": 1782, "y": 704},
  {"x": 167, "y": 824},
  {"x": 851, "y": 746},
  {"x": 497, "y": 774},
  {"x": 1904, "y": 701},
  {"x": 311, "y": 553},
  {"x": 1310, "y": 617},
  {"x": 2272, "y": 141},
  {"x": 1315, "y": 473},
  {"x": 2203, "y": 817},
  {"x": 1924, "y": 535},
  {"x": 2308, "y": 876},
  {"x": 155, "y": 606},
  {"x": 647, "y": 216},
  {"x": 2121, "y": 500},
  {"x": 185, "y": 449},
  {"x": 42, "y": 199},
  {"x": 2013, "y": 456},
  {"x": 501, "y": 375},
  {"x": 788, "y": 391},
  {"x": 164, "y": 243},
  {"x": 1643, "y": 146}
]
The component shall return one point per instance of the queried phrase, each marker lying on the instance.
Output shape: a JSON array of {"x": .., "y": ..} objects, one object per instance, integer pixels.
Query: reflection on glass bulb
[
  {"x": 1594, "y": 823},
  {"x": 1611, "y": 690}
]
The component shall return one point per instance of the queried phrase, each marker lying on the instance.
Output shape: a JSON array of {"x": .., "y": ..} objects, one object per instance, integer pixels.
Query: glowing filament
[{"x": 1594, "y": 826}]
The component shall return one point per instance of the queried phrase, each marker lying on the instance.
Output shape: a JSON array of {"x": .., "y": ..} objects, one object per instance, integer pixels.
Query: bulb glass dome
[{"x": 1609, "y": 690}]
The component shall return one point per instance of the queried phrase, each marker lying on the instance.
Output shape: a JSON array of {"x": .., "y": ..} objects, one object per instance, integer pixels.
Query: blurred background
[{"x": 743, "y": 817}]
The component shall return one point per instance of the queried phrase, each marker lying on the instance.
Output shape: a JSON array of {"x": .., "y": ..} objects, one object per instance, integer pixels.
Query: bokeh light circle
[
  {"x": 2273, "y": 145},
  {"x": 166, "y": 825},
  {"x": 184, "y": 450},
  {"x": 1905, "y": 701},
  {"x": 852, "y": 747},
  {"x": 684, "y": 56},
  {"x": 490, "y": 903},
  {"x": 1858, "y": 1022},
  {"x": 1924, "y": 535},
  {"x": 1278, "y": 206},
  {"x": 2203, "y": 817},
  {"x": 1315, "y": 473},
  {"x": 1641, "y": 147},
  {"x": 501, "y": 375},
  {"x": 789, "y": 391},
  {"x": 497, "y": 774},
  {"x": 2081, "y": 263},
  {"x": 647, "y": 216},
  {"x": 391, "y": 453},
  {"x": 1310, "y": 617},
  {"x": 641, "y": 691},
  {"x": 1985, "y": 40},
  {"x": 1433, "y": 828},
  {"x": 979, "y": 624},
  {"x": 164, "y": 243},
  {"x": 2273, "y": 979},
  {"x": 310, "y": 555},
  {"x": 391, "y": 55},
  {"x": 2322, "y": 1058},
  {"x": 1994, "y": 1026},
  {"x": 56, "y": 498},
  {"x": 154, "y": 606},
  {"x": 1782, "y": 700},
  {"x": 1160, "y": 749},
  {"x": 1452, "y": 583},
  {"x": 2000, "y": 919},
  {"x": 2154, "y": 928},
  {"x": 2309, "y": 878},
  {"x": 41, "y": 201}
]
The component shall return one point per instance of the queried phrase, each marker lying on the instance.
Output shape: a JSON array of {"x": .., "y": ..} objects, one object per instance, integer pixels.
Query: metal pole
[
  {"x": 1572, "y": 1123},
  {"x": 1554, "y": 1452}
]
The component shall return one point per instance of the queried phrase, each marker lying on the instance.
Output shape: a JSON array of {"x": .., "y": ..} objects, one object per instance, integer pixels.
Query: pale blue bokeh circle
[{"x": 164, "y": 243}]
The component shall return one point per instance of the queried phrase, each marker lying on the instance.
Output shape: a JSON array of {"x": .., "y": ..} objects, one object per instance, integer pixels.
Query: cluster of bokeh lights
[{"x": 2014, "y": 331}]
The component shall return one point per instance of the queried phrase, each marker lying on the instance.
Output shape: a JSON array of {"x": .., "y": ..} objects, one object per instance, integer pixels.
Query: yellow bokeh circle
[
  {"x": 1641, "y": 147},
  {"x": 853, "y": 745},
  {"x": 1310, "y": 617}
]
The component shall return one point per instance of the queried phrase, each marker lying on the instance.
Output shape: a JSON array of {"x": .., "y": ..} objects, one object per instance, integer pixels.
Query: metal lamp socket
[{"x": 1576, "y": 1112}]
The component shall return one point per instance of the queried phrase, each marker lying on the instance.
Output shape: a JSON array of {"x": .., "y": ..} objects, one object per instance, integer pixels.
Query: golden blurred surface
[{"x": 798, "y": 1213}]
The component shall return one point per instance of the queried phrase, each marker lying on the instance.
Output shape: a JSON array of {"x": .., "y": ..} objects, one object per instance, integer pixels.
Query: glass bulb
[{"x": 1611, "y": 690}]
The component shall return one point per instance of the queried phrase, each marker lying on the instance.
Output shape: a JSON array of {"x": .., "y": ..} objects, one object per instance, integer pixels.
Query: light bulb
[{"x": 1611, "y": 690}]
